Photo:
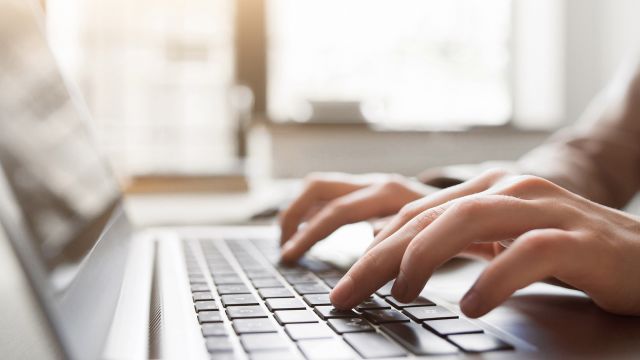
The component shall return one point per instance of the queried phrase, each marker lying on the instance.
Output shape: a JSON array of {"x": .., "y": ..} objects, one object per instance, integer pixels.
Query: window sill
[{"x": 506, "y": 129}]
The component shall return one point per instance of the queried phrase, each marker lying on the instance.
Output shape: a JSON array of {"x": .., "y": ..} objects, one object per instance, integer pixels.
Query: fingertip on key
[
  {"x": 341, "y": 294},
  {"x": 471, "y": 305},
  {"x": 287, "y": 253}
]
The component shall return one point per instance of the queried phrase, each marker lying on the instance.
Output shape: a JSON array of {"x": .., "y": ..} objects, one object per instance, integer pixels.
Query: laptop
[{"x": 92, "y": 286}]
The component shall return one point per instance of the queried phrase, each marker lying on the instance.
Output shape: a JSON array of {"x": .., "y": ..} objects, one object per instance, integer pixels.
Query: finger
[
  {"x": 315, "y": 191},
  {"x": 357, "y": 206},
  {"x": 475, "y": 185},
  {"x": 534, "y": 256},
  {"x": 472, "y": 219},
  {"x": 380, "y": 264},
  {"x": 485, "y": 251},
  {"x": 374, "y": 269},
  {"x": 379, "y": 224}
]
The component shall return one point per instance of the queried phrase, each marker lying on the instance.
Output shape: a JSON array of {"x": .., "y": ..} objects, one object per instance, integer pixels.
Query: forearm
[{"x": 599, "y": 158}]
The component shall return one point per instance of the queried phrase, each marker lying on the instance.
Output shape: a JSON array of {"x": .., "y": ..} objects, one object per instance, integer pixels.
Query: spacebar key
[
  {"x": 417, "y": 339},
  {"x": 373, "y": 345}
]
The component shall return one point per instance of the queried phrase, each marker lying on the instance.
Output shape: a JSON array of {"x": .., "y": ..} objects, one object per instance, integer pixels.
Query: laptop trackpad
[{"x": 345, "y": 245}]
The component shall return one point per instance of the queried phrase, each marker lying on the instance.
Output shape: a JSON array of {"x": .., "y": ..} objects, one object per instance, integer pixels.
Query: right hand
[{"x": 330, "y": 200}]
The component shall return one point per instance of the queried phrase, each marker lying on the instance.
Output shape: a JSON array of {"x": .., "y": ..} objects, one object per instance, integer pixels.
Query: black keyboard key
[
  {"x": 249, "y": 326},
  {"x": 218, "y": 344},
  {"x": 295, "y": 316},
  {"x": 308, "y": 331},
  {"x": 243, "y": 312},
  {"x": 384, "y": 316},
  {"x": 199, "y": 287},
  {"x": 317, "y": 299},
  {"x": 205, "y": 305},
  {"x": 227, "y": 279},
  {"x": 329, "y": 312},
  {"x": 258, "y": 274},
  {"x": 316, "y": 288},
  {"x": 232, "y": 289},
  {"x": 266, "y": 283},
  {"x": 198, "y": 281},
  {"x": 209, "y": 316},
  {"x": 452, "y": 326},
  {"x": 314, "y": 265},
  {"x": 372, "y": 303},
  {"x": 214, "y": 329},
  {"x": 291, "y": 270},
  {"x": 194, "y": 271},
  {"x": 238, "y": 299},
  {"x": 220, "y": 269},
  {"x": 342, "y": 326},
  {"x": 261, "y": 342},
  {"x": 247, "y": 261},
  {"x": 374, "y": 345},
  {"x": 307, "y": 278},
  {"x": 223, "y": 271},
  {"x": 479, "y": 342},
  {"x": 285, "y": 304},
  {"x": 385, "y": 290},
  {"x": 331, "y": 281},
  {"x": 417, "y": 339},
  {"x": 333, "y": 273},
  {"x": 319, "y": 349},
  {"x": 202, "y": 296},
  {"x": 269, "y": 293},
  {"x": 275, "y": 355},
  {"x": 419, "y": 301},
  {"x": 253, "y": 266},
  {"x": 429, "y": 313}
]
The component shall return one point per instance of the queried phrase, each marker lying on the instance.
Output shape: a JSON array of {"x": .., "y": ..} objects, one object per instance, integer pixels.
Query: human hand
[
  {"x": 330, "y": 200},
  {"x": 557, "y": 234}
]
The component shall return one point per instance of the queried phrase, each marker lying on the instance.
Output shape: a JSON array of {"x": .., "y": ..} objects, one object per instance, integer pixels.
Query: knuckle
[
  {"x": 495, "y": 174},
  {"x": 539, "y": 243},
  {"x": 469, "y": 207},
  {"x": 428, "y": 216},
  {"x": 313, "y": 180},
  {"x": 337, "y": 208},
  {"x": 394, "y": 183},
  {"x": 532, "y": 183},
  {"x": 409, "y": 210}
]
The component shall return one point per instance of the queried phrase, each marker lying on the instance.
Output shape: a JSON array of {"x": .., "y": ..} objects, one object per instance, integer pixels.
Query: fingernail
[
  {"x": 400, "y": 288},
  {"x": 285, "y": 253},
  {"x": 288, "y": 245},
  {"x": 341, "y": 294},
  {"x": 470, "y": 304}
]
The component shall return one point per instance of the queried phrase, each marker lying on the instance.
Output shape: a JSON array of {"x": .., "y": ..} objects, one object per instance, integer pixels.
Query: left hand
[{"x": 557, "y": 234}]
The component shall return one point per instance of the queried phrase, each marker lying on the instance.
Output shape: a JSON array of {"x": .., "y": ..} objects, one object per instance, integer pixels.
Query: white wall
[{"x": 599, "y": 36}]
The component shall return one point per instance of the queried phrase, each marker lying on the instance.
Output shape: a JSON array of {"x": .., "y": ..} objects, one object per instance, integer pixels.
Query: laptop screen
[{"x": 63, "y": 186}]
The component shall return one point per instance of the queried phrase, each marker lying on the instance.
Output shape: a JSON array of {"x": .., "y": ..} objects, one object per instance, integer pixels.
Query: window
[
  {"x": 155, "y": 75},
  {"x": 416, "y": 63}
]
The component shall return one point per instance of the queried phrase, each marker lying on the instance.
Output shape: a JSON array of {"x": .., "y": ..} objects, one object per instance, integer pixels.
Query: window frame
[{"x": 537, "y": 96}]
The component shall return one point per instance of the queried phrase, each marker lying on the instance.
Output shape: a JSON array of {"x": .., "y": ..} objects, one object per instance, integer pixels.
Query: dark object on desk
[{"x": 266, "y": 214}]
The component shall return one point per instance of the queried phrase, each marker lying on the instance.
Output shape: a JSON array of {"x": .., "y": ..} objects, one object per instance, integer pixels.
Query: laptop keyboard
[{"x": 259, "y": 309}]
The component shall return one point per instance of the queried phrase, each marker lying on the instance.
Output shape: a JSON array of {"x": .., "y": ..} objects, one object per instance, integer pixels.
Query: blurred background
[{"x": 284, "y": 87}]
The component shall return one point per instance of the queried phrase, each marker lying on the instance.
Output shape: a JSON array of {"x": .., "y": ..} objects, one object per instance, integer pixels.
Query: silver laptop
[{"x": 94, "y": 287}]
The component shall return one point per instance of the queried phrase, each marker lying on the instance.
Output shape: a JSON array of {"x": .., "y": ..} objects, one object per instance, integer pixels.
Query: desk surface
[{"x": 146, "y": 210}]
